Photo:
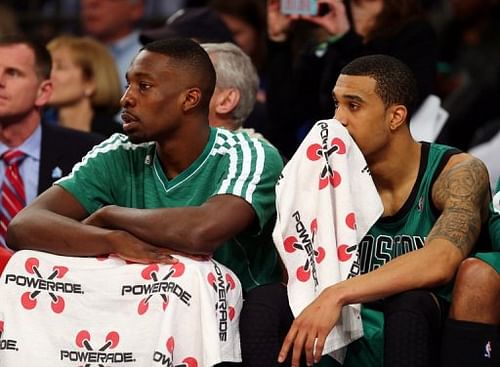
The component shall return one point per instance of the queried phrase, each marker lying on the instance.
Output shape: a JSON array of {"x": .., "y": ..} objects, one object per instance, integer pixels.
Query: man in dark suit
[{"x": 32, "y": 154}]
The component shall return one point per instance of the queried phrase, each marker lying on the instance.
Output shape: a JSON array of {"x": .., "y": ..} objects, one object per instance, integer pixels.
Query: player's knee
[
  {"x": 475, "y": 275},
  {"x": 476, "y": 291}
]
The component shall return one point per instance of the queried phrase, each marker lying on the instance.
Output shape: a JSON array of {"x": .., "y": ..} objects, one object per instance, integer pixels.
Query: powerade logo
[
  {"x": 221, "y": 286},
  {"x": 167, "y": 358},
  {"x": 328, "y": 175},
  {"x": 158, "y": 287},
  {"x": 305, "y": 243},
  {"x": 7, "y": 344},
  {"x": 51, "y": 285},
  {"x": 96, "y": 354}
]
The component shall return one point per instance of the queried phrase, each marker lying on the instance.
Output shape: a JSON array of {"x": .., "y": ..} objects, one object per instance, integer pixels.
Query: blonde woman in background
[{"x": 87, "y": 88}]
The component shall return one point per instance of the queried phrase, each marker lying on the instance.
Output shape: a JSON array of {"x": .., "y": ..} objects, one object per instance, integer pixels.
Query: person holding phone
[{"x": 348, "y": 29}]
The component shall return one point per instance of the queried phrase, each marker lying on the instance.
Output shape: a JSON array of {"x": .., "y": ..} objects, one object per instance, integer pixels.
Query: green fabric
[
  {"x": 493, "y": 258},
  {"x": 391, "y": 237},
  {"x": 122, "y": 173},
  {"x": 407, "y": 230}
]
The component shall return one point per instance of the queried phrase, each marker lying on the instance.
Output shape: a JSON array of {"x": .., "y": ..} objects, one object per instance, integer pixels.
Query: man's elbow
[
  {"x": 445, "y": 267},
  {"x": 14, "y": 233},
  {"x": 205, "y": 240}
]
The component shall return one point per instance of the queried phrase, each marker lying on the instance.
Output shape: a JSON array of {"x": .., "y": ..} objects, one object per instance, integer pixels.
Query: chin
[{"x": 136, "y": 139}]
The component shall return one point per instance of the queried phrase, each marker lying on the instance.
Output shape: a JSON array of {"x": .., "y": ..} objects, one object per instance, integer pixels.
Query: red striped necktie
[{"x": 13, "y": 195}]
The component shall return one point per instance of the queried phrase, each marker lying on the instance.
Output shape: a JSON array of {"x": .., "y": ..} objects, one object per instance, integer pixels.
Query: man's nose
[
  {"x": 127, "y": 98},
  {"x": 339, "y": 116}
]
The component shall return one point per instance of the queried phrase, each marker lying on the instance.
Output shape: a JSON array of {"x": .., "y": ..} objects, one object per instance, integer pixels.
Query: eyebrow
[
  {"x": 137, "y": 75},
  {"x": 351, "y": 97}
]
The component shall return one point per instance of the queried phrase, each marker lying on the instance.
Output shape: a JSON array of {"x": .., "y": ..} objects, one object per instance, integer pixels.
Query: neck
[
  {"x": 224, "y": 121},
  {"x": 14, "y": 133},
  {"x": 399, "y": 161},
  {"x": 179, "y": 151},
  {"x": 395, "y": 172},
  {"x": 77, "y": 116}
]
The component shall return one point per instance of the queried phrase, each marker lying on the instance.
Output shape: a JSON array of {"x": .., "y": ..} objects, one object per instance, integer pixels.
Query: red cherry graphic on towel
[
  {"x": 340, "y": 144},
  {"x": 142, "y": 307},
  {"x": 289, "y": 243},
  {"x": 170, "y": 344},
  {"x": 190, "y": 362},
  {"x": 314, "y": 226},
  {"x": 302, "y": 274},
  {"x": 321, "y": 254},
  {"x": 61, "y": 270},
  {"x": 313, "y": 152},
  {"x": 178, "y": 269},
  {"x": 211, "y": 280},
  {"x": 31, "y": 264},
  {"x": 82, "y": 337},
  {"x": 28, "y": 302},
  {"x": 230, "y": 281},
  {"x": 350, "y": 220},
  {"x": 112, "y": 340},
  {"x": 148, "y": 271},
  {"x": 342, "y": 253},
  {"x": 58, "y": 304}
]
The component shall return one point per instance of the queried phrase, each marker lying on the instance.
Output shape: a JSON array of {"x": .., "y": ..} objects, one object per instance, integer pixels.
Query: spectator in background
[
  {"x": 201, "y": 24},
  {"x": 469, "y": 73},
  {"x": 299, "y": 94},
  {"x": 87, "y": 88},
  {"x": 236, "y": 87},
  {"x": 43, "y": 153},
  {"x": 114, "y": 22},
  {"x": 246, "y": 19},
  {"x": 8, "y": 21}
]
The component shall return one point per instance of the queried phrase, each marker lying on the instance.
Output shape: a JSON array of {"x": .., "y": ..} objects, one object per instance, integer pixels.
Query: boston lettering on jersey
[{"x": 375, "y": 251}]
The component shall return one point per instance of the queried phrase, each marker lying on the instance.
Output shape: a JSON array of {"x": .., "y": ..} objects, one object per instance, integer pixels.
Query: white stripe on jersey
[{"x": 115, "y": 142}]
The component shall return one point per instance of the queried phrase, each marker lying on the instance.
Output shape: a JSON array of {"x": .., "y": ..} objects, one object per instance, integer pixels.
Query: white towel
[
  {"x": 326, "y": 202},
  {"x": 68, "y": 311}
]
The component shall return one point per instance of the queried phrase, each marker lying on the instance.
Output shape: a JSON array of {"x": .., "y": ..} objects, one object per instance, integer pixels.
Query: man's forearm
[
  {"x": 422, "y": 269},
  {"x": 180, "y": 229},
  {"x": 40, "y": 229}
]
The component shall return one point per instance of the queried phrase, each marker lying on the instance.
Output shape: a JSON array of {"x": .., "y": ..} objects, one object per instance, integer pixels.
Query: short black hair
[
  {"x": 396, "y": 83},
  {"x": 193, "y": 59},
  {"x": 43, "y": 61}
]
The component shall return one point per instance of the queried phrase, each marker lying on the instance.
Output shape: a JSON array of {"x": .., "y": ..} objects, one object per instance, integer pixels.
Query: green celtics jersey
[
  {"x": 406, "y": 231},
  {"x": 130, "y": 175},
  {"x": 493, "y": 257}
]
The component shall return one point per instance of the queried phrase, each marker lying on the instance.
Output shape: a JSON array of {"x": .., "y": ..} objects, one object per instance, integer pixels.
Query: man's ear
[
  {"x": 398, "y": 116},
  {"x": 44, "y": 93},
  {"x": 227, "y": 101},
  {"x": 192, "y": 98}
]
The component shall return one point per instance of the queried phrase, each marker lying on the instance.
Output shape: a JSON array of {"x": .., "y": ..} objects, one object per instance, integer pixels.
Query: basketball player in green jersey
[
  {"x": 172, "y": 184},
  {"x": 435, "y": 203}
]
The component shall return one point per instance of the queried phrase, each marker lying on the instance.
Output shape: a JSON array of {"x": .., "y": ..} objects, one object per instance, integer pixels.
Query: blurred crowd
[{"x": 450, "y": 45}]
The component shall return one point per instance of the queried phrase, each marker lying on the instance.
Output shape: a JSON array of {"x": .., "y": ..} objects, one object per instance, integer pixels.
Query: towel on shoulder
[{"x": 326, "y": 202}]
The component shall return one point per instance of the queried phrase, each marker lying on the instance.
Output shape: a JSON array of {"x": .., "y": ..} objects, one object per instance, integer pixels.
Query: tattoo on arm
[{"x": 462, "y": 192}]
